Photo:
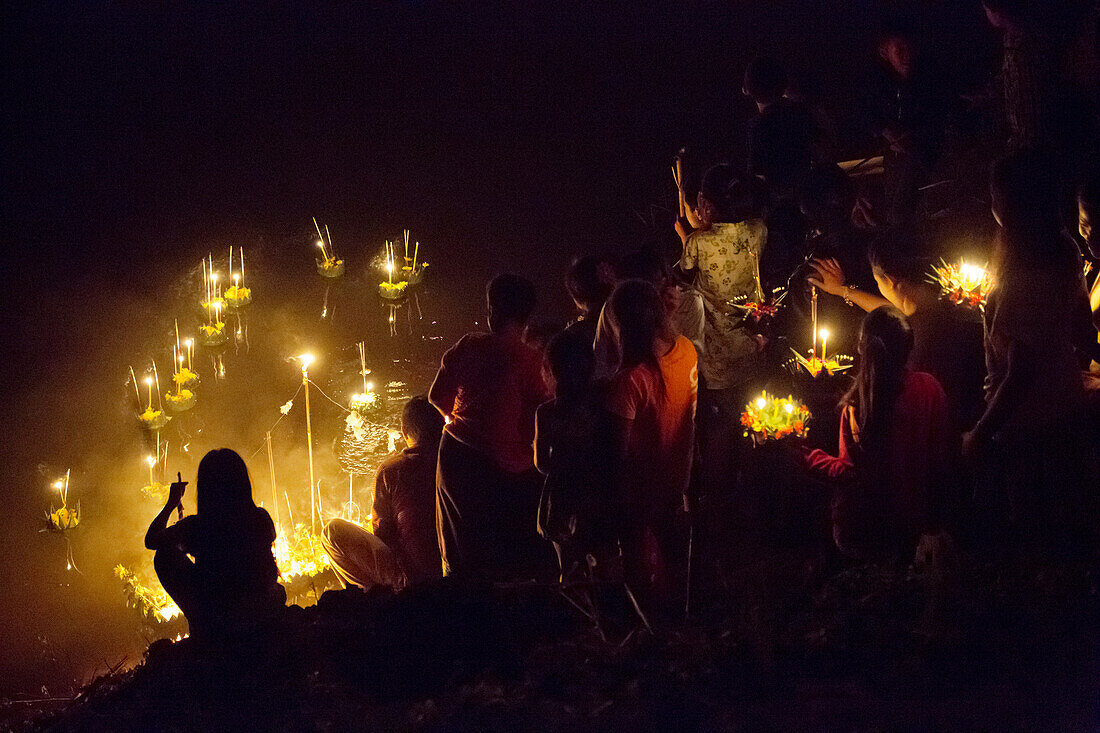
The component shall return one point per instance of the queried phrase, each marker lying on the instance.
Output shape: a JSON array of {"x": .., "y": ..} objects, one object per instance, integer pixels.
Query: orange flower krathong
[{"x": 963, "y": 283}]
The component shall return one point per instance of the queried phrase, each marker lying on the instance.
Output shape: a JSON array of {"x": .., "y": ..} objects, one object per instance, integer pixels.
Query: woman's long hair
[
  {"x": 224, "y": 489},
  {"x": 885, "y": 340},
  {"x": 639, "y": 320}
]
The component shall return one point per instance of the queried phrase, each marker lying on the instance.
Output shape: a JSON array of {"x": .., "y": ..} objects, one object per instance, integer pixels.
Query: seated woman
[
  {"x": 652, "y": 403},
  {"x": 894, "y": 447},
  {"x": 947, "y": 340},
  {"x": 232, "y": 586},
  {"x": 402, "y": 548}
]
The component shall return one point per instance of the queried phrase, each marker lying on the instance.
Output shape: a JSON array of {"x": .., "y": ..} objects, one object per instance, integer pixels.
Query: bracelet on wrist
[{"x": 848, "y": 290}]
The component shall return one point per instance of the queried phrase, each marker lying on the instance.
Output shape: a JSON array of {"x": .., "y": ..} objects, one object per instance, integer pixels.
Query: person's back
[
  {"x": 404, "y": 510},
  {"x": 661, "y": 404},
  {"x": 487, "y": 488},
  {"x": 947, "y": 343},
  {"x": 895, "y": 438},
  {"x": 233, "y": 555},
  {"x": 497, "y": 385},
  {"x": 573, "y": 451}
]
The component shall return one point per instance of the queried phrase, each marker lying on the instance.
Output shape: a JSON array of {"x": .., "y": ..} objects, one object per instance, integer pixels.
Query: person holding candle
[
  {"x": 895, "y": 447},
  {"x": 231, "y": 587}
]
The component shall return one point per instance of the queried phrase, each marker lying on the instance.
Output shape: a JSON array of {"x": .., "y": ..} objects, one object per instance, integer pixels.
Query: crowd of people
[{"x": 601, "y": 444}]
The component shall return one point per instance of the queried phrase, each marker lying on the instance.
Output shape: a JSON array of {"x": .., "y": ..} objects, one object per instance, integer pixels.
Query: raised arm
[
  {"x": 159, "y": 535},
  {"x": 830, "y": 279}
]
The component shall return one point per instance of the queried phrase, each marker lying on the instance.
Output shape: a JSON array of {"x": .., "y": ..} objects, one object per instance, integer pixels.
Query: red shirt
[
  {"x": 920, "y": 436},
  {"x": 489, "y": 385}
]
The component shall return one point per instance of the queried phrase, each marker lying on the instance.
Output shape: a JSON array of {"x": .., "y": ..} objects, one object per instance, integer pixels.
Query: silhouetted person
[
  {"x": 573, "y": 451},
  {"x": 895, "y": 439},
  {"x": 402, "y": 548},
  {"x": 783, "y": 137},
  {"x": 589, "y": 283},
  {"x": 232, "y": 586},
  {"x": 1033, "y": 436},
  {"x": 487, "y": 488},
  {"x": 910, "y": 114}
]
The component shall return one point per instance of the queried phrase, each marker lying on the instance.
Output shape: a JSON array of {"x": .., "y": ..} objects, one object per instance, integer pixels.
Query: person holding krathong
[
  {"x": 947, "y": 339},
  {"x": 895, "y": 443}
]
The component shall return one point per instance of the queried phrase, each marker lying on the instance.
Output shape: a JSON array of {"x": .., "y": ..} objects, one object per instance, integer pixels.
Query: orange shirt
[
  {"x": 661, "y": 409},
  {"x": 492, "y": 384}
]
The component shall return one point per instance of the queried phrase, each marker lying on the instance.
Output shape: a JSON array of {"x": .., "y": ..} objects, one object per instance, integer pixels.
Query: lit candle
[
  {"x": 190, "y": 346},
  {"x": 813, "y": 319},
  {"x": 242, "y": 264},
  {"x": 824, "y": 333},
  {"x": 149, "y": 384},
  {"x": 416, "y": 251},
  {"x": 152, "y": 462},
  {"x": 236, "y": 283}
]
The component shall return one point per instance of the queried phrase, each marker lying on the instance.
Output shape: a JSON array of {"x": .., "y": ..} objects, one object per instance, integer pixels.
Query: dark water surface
[{"x": 140, "y": 138}]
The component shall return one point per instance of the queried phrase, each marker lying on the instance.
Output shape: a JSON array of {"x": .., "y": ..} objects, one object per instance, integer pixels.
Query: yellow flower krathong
[
  {"x": 774, "y": 418},
  {"x": 815, "y": 366},
  {"x": 237, "y": 296}
]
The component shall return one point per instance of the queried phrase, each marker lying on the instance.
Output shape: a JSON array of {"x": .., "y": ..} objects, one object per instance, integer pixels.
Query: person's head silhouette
[{"x": 223, "y": 484}]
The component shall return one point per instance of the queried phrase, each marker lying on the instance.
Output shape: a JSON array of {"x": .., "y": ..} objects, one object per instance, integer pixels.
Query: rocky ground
[{"x": 788, "y": 642}]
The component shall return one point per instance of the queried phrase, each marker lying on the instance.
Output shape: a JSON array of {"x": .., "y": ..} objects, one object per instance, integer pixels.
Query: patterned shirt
[{"x": 726, "y": 258}]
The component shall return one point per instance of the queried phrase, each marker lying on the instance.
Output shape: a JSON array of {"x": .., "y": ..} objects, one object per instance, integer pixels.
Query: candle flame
[
  {"x": 824, "y": 334},
  {"x": 761, "y": 402},
  {"x": 306, "y": 360},
  {"x": 151, "y": 461},
  {"x": 59, "y": 484}
]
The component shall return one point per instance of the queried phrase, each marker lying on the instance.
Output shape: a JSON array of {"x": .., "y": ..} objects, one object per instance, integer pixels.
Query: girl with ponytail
[{"x": 895, "y": 436}]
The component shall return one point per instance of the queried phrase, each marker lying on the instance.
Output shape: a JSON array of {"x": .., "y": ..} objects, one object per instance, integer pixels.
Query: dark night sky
[{"x": 505, "y": 135}]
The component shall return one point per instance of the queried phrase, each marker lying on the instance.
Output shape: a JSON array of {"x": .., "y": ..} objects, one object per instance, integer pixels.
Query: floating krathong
[
  {"x": 184, "y": 377},
  {"x": 237, "y": 297},
  {"x": 394, "y": 290},
  {"x": 153, "y": 419},
  {"x": 213, "y": 333},
  {"x": 329, "y": 265},
  {"x": 963, "y": 283},
  {"x": 773, "y": 418},
  {"x": 413, "y": 270},
  {"x": 180, "y": 401}
]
